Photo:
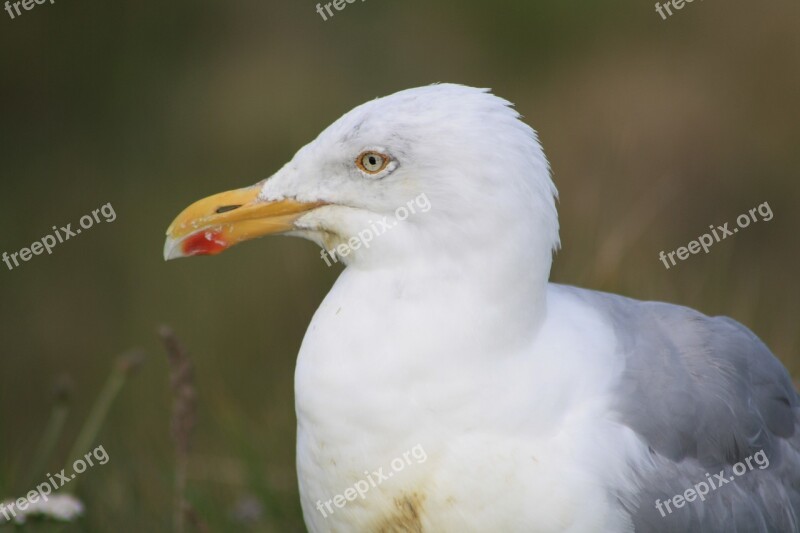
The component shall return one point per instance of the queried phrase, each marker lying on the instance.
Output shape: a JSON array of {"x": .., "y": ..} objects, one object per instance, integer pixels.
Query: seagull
[{"x": 445, "y": 385}]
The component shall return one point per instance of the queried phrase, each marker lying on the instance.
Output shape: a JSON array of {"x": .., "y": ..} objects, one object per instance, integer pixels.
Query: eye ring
[{"x": 372, "y": 162}]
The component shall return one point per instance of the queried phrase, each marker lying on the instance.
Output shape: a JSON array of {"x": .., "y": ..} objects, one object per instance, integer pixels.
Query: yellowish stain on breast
[{"x": 406, "y": 516}]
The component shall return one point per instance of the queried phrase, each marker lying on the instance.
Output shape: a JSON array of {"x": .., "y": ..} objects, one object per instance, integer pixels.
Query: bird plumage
[{"x": 540, "y": 407}]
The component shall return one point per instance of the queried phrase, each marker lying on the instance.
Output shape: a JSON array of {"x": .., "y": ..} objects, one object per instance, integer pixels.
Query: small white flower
[{"x": 60, "y": 507}]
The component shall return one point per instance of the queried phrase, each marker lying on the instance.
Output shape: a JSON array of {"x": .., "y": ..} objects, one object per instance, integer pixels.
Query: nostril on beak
[{"x": 226, "y": 208}]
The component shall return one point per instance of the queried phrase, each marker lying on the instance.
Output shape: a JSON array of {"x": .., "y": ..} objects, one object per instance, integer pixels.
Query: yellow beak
[{"x": 214, "y": 224}]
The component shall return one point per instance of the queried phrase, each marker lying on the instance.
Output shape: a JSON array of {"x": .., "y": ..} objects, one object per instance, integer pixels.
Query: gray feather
[{"x": 705, "y": 393}]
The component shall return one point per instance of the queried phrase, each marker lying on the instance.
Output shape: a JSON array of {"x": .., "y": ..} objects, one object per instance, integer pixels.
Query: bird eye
[{"x": 372, "y": 162}]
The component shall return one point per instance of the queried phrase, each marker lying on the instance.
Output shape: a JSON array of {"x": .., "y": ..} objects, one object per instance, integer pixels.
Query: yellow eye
[{"x": 372, "y": 162}]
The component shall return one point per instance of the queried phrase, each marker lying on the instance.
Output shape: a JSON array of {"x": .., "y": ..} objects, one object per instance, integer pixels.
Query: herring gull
[{"x": 540, "y": 407}]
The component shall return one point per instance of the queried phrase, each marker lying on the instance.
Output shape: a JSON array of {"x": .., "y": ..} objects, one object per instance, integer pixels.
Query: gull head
[{"x": 443, "y": 170}]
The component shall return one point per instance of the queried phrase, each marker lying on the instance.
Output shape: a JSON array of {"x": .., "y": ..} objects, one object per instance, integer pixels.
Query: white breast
[{"x": 518, "y": 440}]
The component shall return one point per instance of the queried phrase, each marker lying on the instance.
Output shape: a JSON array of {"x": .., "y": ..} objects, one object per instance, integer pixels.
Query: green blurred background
[{"x": 655, "y": 130}]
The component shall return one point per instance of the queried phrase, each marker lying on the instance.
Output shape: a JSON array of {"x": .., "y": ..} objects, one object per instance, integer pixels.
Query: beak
[{"x": 214, "y": 224}]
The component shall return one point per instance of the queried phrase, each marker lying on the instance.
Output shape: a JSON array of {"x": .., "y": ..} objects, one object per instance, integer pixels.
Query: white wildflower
[{"x": 60, "y": 507}]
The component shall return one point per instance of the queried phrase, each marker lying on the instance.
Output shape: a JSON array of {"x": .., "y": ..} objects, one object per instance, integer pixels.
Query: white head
[{"x": 467, "y": 176}]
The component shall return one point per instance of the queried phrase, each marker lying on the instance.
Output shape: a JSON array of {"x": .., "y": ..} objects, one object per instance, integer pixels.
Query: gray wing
[{"x": 705, "y": 394}]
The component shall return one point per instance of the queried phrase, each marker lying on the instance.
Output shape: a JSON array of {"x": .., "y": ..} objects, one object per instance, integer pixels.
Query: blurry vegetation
[
  {"x": 655, "y": 129},
  {"x": 46, "y": 461}
]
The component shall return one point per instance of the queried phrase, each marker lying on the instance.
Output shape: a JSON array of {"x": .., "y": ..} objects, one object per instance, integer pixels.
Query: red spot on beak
[{"x": 204, "y": 243}]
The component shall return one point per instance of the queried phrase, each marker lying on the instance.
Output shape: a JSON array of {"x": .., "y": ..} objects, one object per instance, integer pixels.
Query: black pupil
[{"x": 373, "y": 160}]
